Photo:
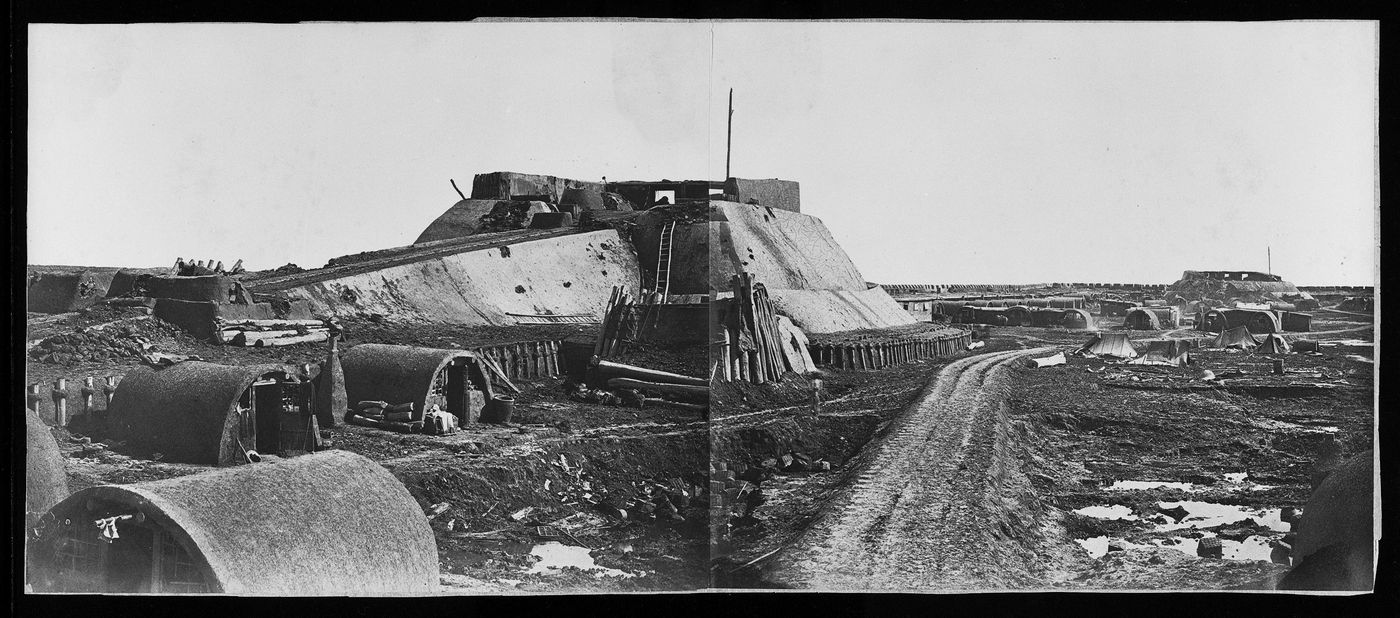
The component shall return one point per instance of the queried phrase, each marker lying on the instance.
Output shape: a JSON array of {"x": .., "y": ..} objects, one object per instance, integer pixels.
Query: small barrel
[{"x": 498, "y": 410}]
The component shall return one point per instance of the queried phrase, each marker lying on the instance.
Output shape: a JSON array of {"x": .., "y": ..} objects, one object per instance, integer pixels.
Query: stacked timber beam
[
  {"x": 269, "y": 333},
  {"x": 524, "y": 359},
  {"x": 885, "y": 353},
  {"x": 626, "y": 316},
  {"x": 751, "y": 344},
  {"x": 680, "y": 390},
  {"x": 610, "y": 333}
]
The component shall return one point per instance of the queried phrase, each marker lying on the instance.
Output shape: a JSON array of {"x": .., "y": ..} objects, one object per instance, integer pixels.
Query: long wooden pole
[{"x": 729, "y": 139}]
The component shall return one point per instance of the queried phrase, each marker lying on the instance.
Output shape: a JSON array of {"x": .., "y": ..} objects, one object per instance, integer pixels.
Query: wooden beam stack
[
  {"x": 265, "y": 333},
  {"x": 751, "y": 345},
  {"x": 610, "y": 332}
]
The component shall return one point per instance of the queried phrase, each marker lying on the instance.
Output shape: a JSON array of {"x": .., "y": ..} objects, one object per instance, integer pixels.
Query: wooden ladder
[{"x": 663, "y": 261}]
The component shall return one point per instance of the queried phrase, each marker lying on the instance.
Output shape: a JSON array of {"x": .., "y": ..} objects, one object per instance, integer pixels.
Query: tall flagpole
[{"x": 729, "y": 139}]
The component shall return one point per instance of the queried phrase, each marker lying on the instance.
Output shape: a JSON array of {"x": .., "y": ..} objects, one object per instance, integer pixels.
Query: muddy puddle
[
  {"x": 1237, "y": 481},
  {"x": 555, "y": 556},
  {"x": 1114, "y": 511},
  {"x": 1192, "y": 519},
  {"x": 1349, "y": 342},
  {"x": 1256, "y": 548},
  {"x": 1212, "y": 514}
]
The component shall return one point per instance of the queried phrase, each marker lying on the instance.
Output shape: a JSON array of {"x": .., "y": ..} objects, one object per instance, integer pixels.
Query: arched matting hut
[
  {"x": 203, "y": 413},
  {"x": 332, "y": 523},
  {"x": 1018, "y": 315},
  {"x": 1077, "y": 319},
  {"x": 1046, "y": 317},
  {"x": 1258, "y": 321},
  {"x": 399, "y": 374},
  {"x": 1335, "y": 546},
  {"x": 1151, "y": 318},
  {"x": 45, "y": 482},
  {"x": 1108, "y": 307},
  {"x": 946, "y": 307}
]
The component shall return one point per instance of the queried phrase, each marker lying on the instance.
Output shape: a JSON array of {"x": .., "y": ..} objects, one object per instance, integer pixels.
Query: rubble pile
[
  {"x": 505, "y": 216},
  {"x": 122, "y": 340}
]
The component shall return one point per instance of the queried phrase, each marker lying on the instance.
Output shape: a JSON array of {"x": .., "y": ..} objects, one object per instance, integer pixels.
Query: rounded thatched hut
[
  {"x": 1151, "y": 318},
  {"x": 333, "y": 523},
  {"x": 1077, "y": 319},
  {"x": 1018, "y": 315},
  {"x": 399, "y": 374},
  {"x": 203, "y": 413},
  {"x": 1335, "y": 547},
  {"x": 45, "y": 482},
  {"x": 1259, "y": 322}
]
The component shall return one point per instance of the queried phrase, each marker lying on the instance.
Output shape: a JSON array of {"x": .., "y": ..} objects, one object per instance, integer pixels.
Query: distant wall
[
  {"x": 59, "y": 292},
  {"x": 197, "y": 317},
  {"x": 506, "y": 185},
  {"x": 769, "y": 192}
]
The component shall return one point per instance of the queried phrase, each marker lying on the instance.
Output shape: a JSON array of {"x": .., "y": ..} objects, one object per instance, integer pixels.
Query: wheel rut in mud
[{"x": 913, "y": 515}]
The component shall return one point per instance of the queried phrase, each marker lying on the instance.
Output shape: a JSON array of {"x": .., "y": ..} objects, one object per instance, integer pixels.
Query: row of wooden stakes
[
  {"x": 885, "y": 354},
  {"x": 526, "y": 359},
  {"x": 59, "y": 395},
  {"x": 623, "y": 317}
]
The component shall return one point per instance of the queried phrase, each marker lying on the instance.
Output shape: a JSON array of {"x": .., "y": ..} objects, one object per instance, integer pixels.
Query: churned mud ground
[
  {"x": 549, "y": 503},
  {"x": 1121, "y": 471}
]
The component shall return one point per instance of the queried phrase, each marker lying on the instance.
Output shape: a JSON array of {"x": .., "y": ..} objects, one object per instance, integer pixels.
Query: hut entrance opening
[
  {"x": 459, "y": 388},
  {"x": 276, "y": 417},
  {"x": 143, "y": 557}
]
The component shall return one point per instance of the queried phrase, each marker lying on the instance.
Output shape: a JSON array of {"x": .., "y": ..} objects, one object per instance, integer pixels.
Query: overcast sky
[{"x": 935, "y": 152}]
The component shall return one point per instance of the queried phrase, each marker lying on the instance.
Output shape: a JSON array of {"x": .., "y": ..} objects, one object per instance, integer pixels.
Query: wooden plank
[
  {"x": 281, "y": 341},
  {"x": 273, "y": 323},
  {"x": 691, "y": 393},
  {"x": 500, "y": 374},
  {"x": 612, "y": 369}
]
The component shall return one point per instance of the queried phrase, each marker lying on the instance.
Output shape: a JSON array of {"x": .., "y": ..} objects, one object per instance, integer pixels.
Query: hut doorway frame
[
  {"x": 145, "y": 557},
  {"x": 264, "y": 409},
  {"x": 452, "y": 384}
]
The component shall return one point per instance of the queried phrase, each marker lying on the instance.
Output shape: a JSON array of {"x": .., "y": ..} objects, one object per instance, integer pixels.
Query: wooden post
[
  {"x": 108, "y": 389},
  {"x": 88, "y": 392},
  {"x": 157, "y": 559},
  {"x": 60, "y": 402},
  {"x": 729, "y": 137},
  {"x": 537, "y": 353}
]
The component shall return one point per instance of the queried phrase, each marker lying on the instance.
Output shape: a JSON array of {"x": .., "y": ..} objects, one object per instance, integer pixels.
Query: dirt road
[{"x": 910, "y": 519}]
